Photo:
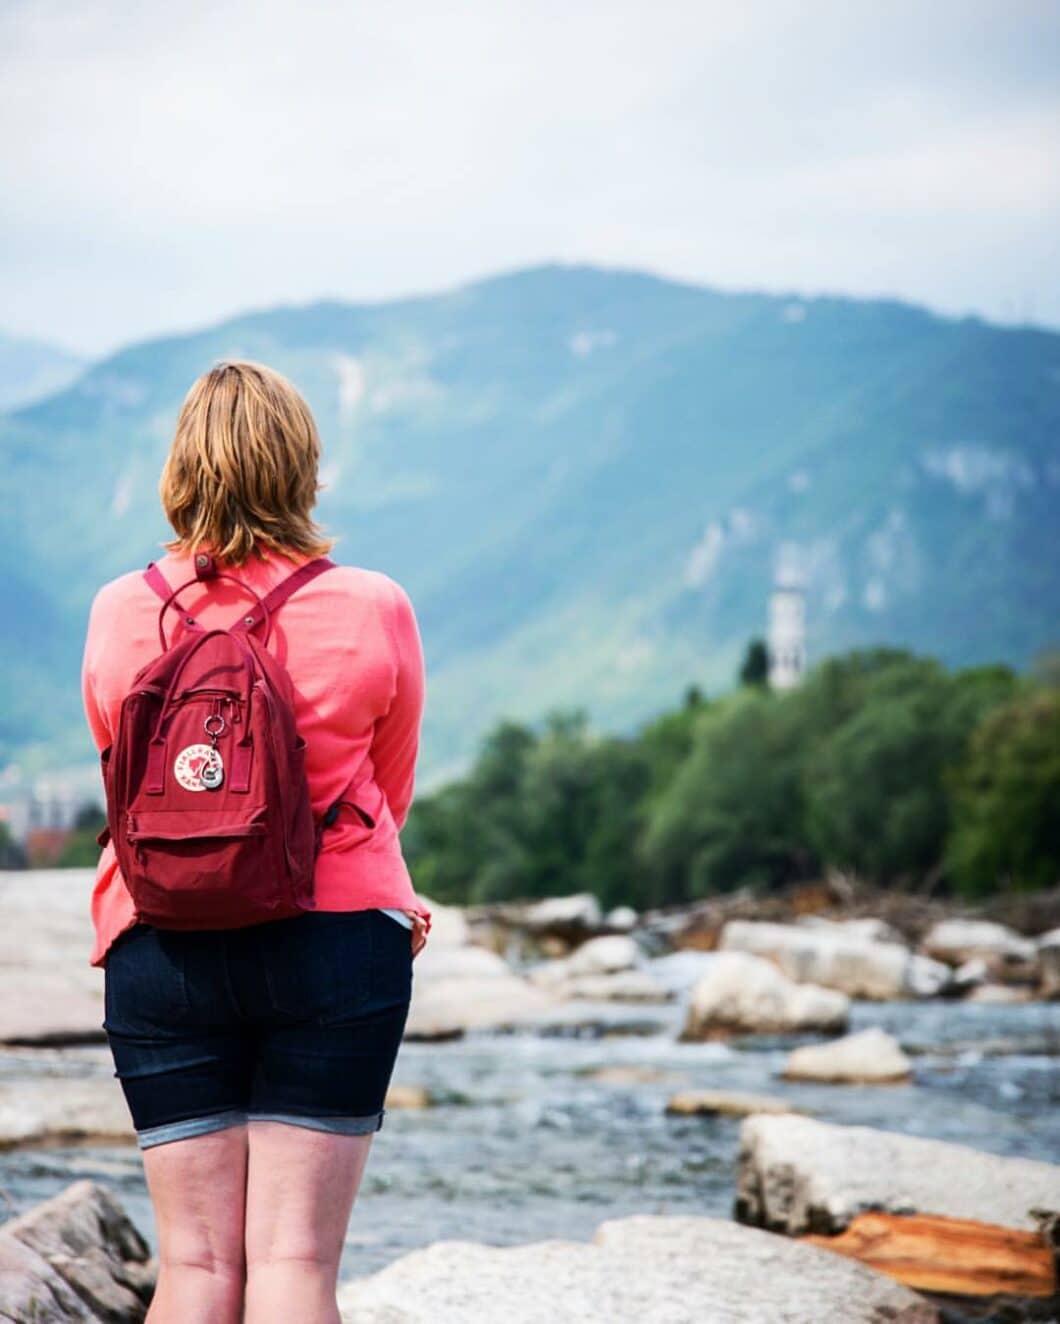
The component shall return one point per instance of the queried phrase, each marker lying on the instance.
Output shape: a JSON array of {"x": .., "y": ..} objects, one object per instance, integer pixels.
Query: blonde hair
[{"x": 242, "y": 472}]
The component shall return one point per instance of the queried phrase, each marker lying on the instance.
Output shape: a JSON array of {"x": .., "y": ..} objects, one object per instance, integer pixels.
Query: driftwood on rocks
[
  {"x": 955, "y": 1256},
  {"x": 796, "y": 1174}
]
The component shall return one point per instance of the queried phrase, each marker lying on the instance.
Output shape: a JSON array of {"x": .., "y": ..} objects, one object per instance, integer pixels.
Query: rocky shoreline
[{"x": 831, "y": 1222}]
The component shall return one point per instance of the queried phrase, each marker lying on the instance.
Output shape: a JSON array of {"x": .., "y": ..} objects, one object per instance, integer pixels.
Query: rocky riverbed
[{"x": 545, "y": 1092}]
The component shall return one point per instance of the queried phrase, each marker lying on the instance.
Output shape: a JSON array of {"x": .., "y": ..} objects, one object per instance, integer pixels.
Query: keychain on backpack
[{"x": 213, "y": 773}]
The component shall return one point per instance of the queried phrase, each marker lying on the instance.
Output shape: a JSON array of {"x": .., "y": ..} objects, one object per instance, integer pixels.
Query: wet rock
[
  {"x": 1008, "y": 956},
  {"x": 1049, "y": 963},
  {"x": 799, "y": 1175},
  {"x": 870, "y": 1057},
  {"x": 627, "y": 1074},
  {"x": 412, "y": 1097},
  {"x": 741, "y": 994},
  {"x": 63, "y": 1108},
  {"x": 1000, "y": 993},
  {"x": 646, "y": 1268},
  {"x": 725, "y": 1103},
  {"x": 857, "y": 966},
  {"x": 86, "y": 1241}
]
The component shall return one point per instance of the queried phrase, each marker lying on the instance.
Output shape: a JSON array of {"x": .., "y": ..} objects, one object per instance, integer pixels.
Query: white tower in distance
[{"x": 787, "y": 633}]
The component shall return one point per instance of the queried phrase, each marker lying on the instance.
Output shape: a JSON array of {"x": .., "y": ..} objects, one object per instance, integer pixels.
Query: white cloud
[{"x": 164, "y": 168}]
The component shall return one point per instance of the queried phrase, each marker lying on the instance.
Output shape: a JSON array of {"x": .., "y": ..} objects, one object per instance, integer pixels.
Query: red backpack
[{"x": 207, "y": 799}]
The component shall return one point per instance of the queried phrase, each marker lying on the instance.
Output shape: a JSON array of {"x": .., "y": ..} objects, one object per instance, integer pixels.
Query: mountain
[
  {"x": 32, "y": 369},
  {"x": 586, "y": 479}
]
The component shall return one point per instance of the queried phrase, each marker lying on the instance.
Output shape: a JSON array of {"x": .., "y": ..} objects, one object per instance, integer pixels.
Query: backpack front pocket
[{"x": 197, "y": 868}]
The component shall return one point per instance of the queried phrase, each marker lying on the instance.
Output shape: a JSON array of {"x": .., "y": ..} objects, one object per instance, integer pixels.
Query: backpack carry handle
[
  {"x": 220, "y": 574},
  {"x": 248, "y": 665}
]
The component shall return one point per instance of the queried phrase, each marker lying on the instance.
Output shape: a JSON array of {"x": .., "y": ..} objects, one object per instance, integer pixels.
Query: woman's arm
[
  {"x": 396, "y": 739},
  {"x": 95, "y": 714}
]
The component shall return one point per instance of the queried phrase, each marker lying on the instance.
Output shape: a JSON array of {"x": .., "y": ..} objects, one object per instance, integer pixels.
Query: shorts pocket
[
  {"x": 144, "y": 981},
  {"x": 318, "y": 966}
]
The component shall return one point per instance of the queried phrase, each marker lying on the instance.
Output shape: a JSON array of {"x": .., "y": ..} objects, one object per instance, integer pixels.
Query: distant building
[{"x": 787, "y": 634}]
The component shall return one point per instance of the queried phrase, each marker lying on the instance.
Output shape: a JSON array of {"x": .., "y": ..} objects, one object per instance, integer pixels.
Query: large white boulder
[
  {"x": 604, "y": 956},
  {"x": 799, "y": 1175},
  {"x": 48, "y": 991},
  {"x": 446, "y": 1007},
  {"x": 1008, "y": 955},
  {"x": 870, "y": 1057},
  {"x": 871, "y": 928},
  {"x": 572, "y": 918},
  {"x": 859, "y": 967},
  {"x": 741, "y": 993},
  {"x": 641, "y": 1270},
  {"x": 622, "y": 986}
]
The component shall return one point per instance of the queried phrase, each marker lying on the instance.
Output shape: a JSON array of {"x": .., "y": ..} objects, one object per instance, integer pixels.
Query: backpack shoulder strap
[
  {"x": 254, "y": 615},
  {"x": 160, "y": 584},
  {"x": 277, "y": 596}
]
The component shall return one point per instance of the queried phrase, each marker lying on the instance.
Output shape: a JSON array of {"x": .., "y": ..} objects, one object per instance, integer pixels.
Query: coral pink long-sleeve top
[{"x": 350, "y": 642}]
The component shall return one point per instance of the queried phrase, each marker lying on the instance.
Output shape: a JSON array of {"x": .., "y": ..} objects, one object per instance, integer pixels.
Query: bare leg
[
  {"x": 301, "y": 1185},
  {"x": 198, "y": 1190}
]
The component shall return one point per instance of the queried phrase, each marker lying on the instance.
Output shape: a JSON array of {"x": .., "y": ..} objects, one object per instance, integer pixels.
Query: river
[{"x": 528, "y": 1140}]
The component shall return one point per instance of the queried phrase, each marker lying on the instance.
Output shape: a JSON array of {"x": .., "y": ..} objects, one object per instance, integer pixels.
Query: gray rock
[
  {"x": 1049, "y": 963},
  {"x": 449, "y": 926},
  {"x": 570, "y": 918},
  {"x": 1008, "y": 956},
  {"x": 857, "y": 966},
  {"x": 870, "y": 928},
  {"x": 41, "y": 1108},
  {"x": 445, "y": 1007},
  {"x": 622, "y": 919},
  {"x": 799, "y": 1175},
  {"x": 88, "y": 1241},
  {"x": 48, "y": 991},
  {"x": 870, "y": 1057},
  {"x": 641, "y": 1270},
  {"x": 623, "y": 986},
  {"x": 726, "y": 1103},
  {"x": 745, "y": 994}
]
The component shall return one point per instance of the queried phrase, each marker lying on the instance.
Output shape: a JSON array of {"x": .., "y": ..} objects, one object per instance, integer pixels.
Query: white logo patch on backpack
[{"x": 190, "y": 764}]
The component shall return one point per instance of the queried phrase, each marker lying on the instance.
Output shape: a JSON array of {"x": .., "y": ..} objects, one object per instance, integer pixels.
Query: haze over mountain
[
  {"x": 587, "y": 481},
  {"x": 32, "y": 369}
]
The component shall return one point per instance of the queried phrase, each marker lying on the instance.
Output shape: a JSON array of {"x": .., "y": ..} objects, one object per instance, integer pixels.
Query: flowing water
[{"x": 545, "y": 1135}]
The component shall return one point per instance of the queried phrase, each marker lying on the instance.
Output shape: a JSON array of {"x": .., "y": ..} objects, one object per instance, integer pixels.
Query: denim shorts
[{"x": 297, "y": 1020}]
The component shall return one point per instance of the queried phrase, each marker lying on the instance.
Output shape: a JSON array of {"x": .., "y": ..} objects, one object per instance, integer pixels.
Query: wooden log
[{"x": 948, "y": 1255}]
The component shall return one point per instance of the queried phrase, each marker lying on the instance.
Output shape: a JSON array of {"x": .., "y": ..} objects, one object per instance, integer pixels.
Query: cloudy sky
[{"x": 167, "y": 165}]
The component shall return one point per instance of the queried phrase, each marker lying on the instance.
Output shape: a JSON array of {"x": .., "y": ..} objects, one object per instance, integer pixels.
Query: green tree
[
  {"x": 732, "y": 813},
  {"x": 1006, "y": 799},
  {"x": 755, "y": 667}
]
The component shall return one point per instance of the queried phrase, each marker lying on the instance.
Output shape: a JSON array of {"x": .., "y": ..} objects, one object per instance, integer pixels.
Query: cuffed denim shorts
[{"x": 297, "y": 1020}]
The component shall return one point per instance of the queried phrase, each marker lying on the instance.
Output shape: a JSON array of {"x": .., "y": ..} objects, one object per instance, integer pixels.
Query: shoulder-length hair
[{"x": 242, "y": 472}]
